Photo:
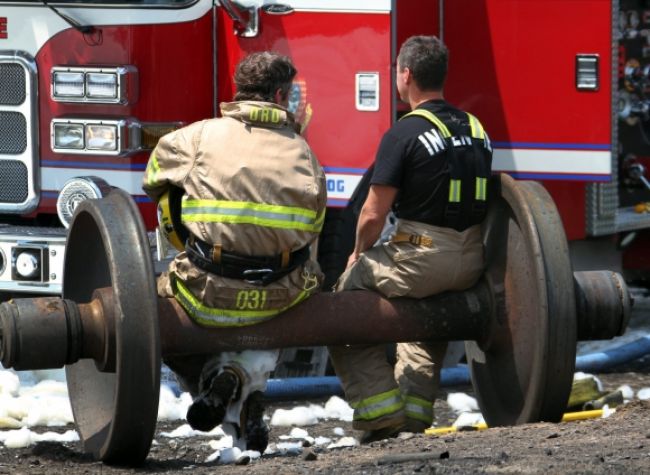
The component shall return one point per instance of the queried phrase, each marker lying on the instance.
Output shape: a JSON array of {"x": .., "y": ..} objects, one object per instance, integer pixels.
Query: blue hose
[{"x": 324, "y": 386}]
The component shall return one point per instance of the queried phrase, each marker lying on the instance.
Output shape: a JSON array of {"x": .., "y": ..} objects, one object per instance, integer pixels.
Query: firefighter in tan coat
[{"x": 253, "y": 201}]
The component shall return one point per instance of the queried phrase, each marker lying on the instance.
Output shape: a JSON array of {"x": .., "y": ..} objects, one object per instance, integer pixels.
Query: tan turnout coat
[{"x": 252, "y": 186}]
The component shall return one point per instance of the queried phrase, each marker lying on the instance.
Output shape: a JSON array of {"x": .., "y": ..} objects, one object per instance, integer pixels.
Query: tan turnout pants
[{"x": 394, "y": 269}]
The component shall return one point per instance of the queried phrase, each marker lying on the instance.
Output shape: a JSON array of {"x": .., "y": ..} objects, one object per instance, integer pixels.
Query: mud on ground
[{"x": 618, "y": 444}]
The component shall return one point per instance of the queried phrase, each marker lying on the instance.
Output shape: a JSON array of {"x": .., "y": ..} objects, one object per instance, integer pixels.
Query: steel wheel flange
[
  {"x": 523, "y": 369},
  {"x": 115, "y": 402}
]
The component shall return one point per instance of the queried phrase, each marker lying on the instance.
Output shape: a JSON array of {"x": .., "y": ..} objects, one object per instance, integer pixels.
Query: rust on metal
[{"x": 354, "y": 317}]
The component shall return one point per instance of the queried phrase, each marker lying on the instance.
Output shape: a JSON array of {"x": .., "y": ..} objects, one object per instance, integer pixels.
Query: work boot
[
  {"x": 209, "y": 408},
  {"x": 416, "y": 426},
  {"x": 374, "y": 435},
  {"x": 256, "y": 430}
]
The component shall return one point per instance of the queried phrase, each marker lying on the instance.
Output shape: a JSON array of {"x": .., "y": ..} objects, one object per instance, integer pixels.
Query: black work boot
[
  {"x": 209, "y": 408},
  {"x": 256, "y": 430}
]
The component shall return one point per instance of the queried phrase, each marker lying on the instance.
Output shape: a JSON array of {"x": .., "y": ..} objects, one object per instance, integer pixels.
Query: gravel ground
[{"x": 618, "y": 444}]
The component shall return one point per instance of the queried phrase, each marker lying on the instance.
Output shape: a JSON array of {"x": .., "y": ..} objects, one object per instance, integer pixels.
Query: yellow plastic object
[
  {"x": 165, "y": 222},
  {"x": 449, "y": 430},
  {"x": 567, "y": 417},
  {"x": 582, "y": 415}
]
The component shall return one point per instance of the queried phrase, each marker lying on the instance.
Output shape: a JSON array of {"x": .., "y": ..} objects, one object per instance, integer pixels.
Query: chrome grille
[
  {"x": 13, "y": 181},
  {"x": 12, "y": 78},
  {"x": 13, "y": 133},
  {"x": 19, "y": 160}
]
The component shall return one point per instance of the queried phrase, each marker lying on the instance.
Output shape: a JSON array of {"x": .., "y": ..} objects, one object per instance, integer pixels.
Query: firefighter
[
  {"x": 253, "y": 200},
  {"x": 431, "y": 169}
]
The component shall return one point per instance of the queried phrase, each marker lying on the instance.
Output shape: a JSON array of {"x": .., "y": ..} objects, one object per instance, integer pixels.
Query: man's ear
[
  {"x": 408, "y": 75},
  {"x": 278, "y": 96}
]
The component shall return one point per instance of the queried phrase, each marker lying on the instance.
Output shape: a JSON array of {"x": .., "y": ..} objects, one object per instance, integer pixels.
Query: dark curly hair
[
  {"x": 259, "y": 75},
  {"x": 426, "y": 57}
]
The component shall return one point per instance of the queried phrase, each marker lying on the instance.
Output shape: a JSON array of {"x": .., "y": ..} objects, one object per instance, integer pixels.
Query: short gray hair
[{"x": 426, "y": 57}]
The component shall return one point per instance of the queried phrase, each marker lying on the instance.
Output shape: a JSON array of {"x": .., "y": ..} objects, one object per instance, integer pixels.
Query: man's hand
[{"x": 354, "y": 257}]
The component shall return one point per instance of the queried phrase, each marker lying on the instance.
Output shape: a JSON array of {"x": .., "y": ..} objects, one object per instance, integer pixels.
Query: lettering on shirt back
[{"x": 435, "y": 143}]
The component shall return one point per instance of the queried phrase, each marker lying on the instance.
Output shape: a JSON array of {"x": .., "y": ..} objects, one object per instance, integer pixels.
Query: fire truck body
[{"x": 88, "y": 86}]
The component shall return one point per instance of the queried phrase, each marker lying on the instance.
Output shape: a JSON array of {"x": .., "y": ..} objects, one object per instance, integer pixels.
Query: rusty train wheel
[
  {"x": 115, "y": 408},
  {"x": 522, "y": 370}
]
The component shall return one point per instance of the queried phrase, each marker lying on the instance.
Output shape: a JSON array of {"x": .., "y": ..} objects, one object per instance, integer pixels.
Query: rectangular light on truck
[
  {"x": 91, "y": 136},
  {"x": 101, "y": 137},
  {"x": 67, "y": 136},
  {"x": 101, "y": 85},
  {"x": 68, "y": 84},
  {"x": 95, "y": 85}
]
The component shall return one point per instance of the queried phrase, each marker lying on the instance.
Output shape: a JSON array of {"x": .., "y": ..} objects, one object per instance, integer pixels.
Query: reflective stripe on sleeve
[
  {"x": 432, "y": 118},
  {"x": 219, "y": 317},
  {"x": 454, "y": 191},
  {"x": 379, "y": 405},
  {"x": 246, "y": 212},
  {"x": 481, "y": 187},
  {"x": 152, "y": 169},
  {"x": 419, "y": 409}
]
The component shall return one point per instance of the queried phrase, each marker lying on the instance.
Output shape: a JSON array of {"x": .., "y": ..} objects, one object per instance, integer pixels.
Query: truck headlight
[
  {"x": 91, "y": 136},
  {"x": 101, "y": 85},
  {"x": 68, "y": 136},
  {"x": 101, "y": 137},
  {"x": 94, "y": 85},
  {"x": 67, "y": 84}
]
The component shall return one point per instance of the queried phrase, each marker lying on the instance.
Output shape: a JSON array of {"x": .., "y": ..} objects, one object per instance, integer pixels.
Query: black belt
[{"x": 257, "y": 270}]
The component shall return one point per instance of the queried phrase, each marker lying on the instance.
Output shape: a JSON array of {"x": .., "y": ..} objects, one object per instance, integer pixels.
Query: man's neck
[{"x": 419, "y": 97}]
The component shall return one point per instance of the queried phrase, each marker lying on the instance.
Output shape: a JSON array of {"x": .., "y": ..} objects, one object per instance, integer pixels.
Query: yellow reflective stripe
[
  {"x": 246, "y": 212},
  {"x": 454, "y": 191},
  {"x": 219, "y": 317},
  {"x": 379, "y": 405},
  {"x": 477, "y": 129},
  {"x": 432, "y": 118},
  {"x": 481, "y": 187},
  {"x": 152, "y": 169},
  {"x": 318, "y": 224},
  {"x": 419, "y": 409}
]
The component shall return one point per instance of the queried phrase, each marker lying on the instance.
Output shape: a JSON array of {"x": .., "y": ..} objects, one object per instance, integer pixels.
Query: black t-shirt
[{"x": 409, "y": 158}]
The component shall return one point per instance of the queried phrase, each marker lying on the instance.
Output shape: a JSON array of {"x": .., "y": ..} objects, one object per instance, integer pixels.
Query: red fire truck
[{"x": 88, "y": 86}]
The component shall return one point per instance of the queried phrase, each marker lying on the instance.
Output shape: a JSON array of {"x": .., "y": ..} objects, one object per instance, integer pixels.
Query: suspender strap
[
  {"x": 478, "y": 195},
  {"x": 431, "y": 117}
]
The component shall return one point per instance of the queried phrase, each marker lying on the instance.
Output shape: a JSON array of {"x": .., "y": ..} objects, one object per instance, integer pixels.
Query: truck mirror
[{"x": 246, "y": 18}]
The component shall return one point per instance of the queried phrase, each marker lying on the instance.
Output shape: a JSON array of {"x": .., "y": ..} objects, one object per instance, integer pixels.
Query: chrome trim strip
[{"x": 29, "y": 108}]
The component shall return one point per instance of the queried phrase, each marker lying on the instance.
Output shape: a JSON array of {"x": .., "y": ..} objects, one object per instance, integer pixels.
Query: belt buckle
[{"x": 256, "y": 272}]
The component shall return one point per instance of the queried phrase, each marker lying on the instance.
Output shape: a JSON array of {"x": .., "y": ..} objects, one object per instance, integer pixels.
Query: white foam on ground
[
  {"x": 468, "y": 419},
  {"x": 626, "y": 391},
  {"x": 461, "y": 402},
  {"x": 643, "y": 394},
  {"x": 334, "y": 408},
  {"x": 343, "y": 442}
]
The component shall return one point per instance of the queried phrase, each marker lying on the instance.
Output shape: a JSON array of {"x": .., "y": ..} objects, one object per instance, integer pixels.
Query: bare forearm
[
  {"x": 372, "y": 219},
  {"x": 368, "y": 231}
]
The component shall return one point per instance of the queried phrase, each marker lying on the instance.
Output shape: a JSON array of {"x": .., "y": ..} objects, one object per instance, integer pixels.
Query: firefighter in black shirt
[{"x": 431, "y": 169}]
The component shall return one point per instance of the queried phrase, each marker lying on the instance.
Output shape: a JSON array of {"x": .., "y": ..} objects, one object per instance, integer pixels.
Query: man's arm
[
  {"x": 171, "y": 161},
  {"x": 372, "y": 218}
]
